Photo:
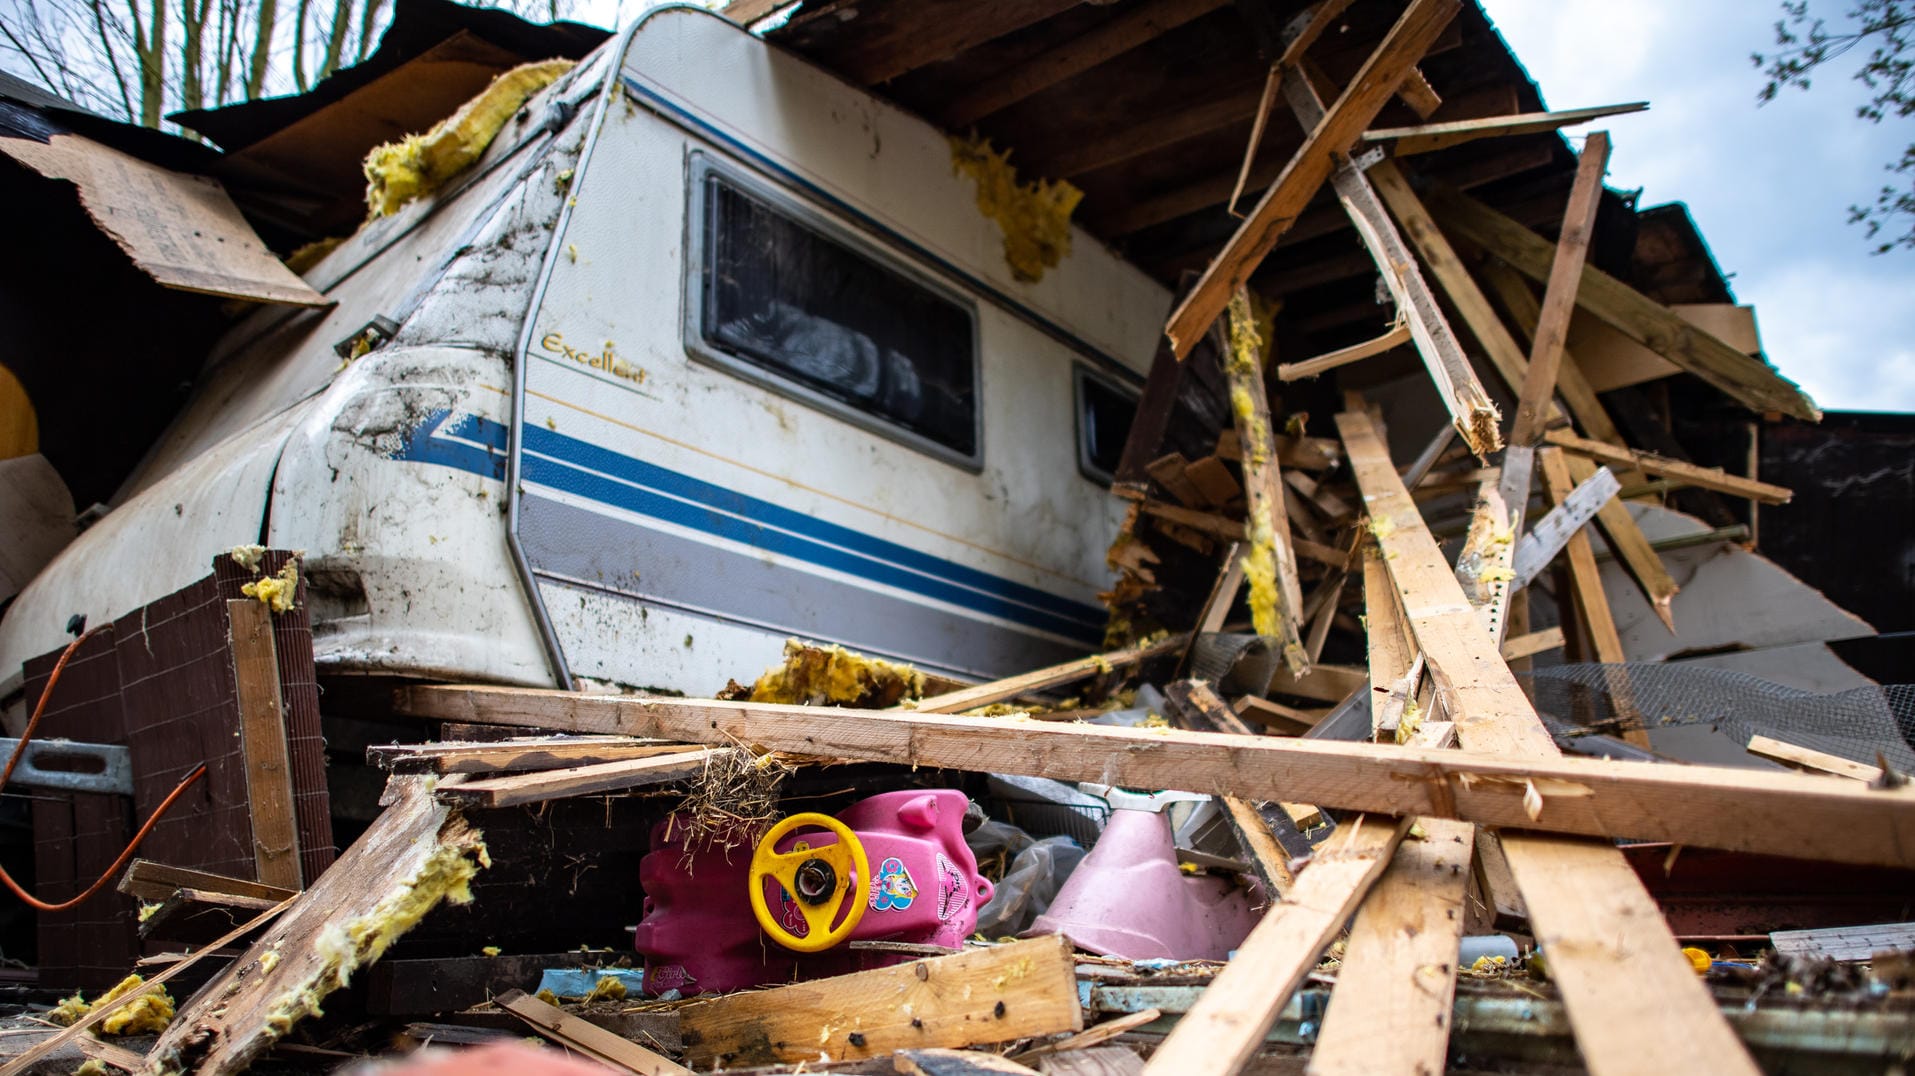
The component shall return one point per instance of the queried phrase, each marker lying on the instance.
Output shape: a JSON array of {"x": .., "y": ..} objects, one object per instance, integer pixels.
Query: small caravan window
[
  {"x": 1104, "y": 414},
  {"x": 783, "y": 292}
]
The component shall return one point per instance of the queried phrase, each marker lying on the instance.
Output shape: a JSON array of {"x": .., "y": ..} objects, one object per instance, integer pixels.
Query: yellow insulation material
[
  {"x": 416, "y": 165},
  {"x": 1035, "y": 217},
  {"x": 277, "y": 591},
  {"x": 343, "y": 948},
  {"x": 834, "y": 676},
  {"x": 148, "y": 1015}
]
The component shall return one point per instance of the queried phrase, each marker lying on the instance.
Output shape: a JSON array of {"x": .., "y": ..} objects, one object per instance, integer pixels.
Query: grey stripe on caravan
[{"x": 580, "y": 546}]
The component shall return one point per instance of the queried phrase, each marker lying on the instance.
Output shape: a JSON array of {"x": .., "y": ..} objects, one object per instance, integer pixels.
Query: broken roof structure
[{"x": 1465, "y": 696}]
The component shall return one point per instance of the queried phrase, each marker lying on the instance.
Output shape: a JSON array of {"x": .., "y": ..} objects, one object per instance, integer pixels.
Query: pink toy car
[{"x": 699, "y": 933}]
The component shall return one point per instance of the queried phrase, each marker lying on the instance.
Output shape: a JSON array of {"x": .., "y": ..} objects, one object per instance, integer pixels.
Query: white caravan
[{"x": 710, "y": 349}]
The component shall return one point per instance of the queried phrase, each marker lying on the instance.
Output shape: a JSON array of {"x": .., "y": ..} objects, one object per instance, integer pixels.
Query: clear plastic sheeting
[
  {"x": 1675, "y": 702},
  {"x": 1035, "y": 870}
]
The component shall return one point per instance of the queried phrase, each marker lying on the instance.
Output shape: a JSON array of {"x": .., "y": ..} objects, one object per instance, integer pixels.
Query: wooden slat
[
  {"x": 1640, "y": 318},
  {"x": 911, "y": 41},
  {"x": 1429, "y": 137},
  {"x": 1513, "y": 292},
  {"x": 1308, "y": 170},
  {"x": 1710, "y": 478},
  {"x": 1228, "y": 1023},
  {"x": 1207, "y": 522},
  {"x": 262, "y": 740},
  {"x": 1391, "y": 651},
  {"x": 1275, "y": 715},
  {"x": 514, "y": 756},
  {"x": 1632, "y": 547},
  {"x": 1324, "y": 683},
  {"x": 996, "y": 994},
  {"x": 1152, "y": 420},
  {"x": 575, "y": 1033},
  {"x": 1711, "y": 806},
  {"x": 1213, "y": 480},
  {"x": 1415, "y": 91},
  {"x": 603, "y": 777},
  {"x": 1149, "y": 133},
  {"x": 1397, "y": 336},
  {"x": 1535, "y": 642},
  {"x": 1128, "y": 28},
  {"x": 1559, "y": 302},
  {"x": 1633, "y": 1002},
  {"x": 1168, "y": 470},
  {"x": 971, "y": 698},
  {"x": 1267, "y": 518},
  {"x": 1808, "y": 758},
  {"x": 147, "y": 880}
]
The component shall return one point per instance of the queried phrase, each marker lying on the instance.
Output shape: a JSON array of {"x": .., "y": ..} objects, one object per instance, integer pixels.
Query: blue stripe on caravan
[{"x": 567, "y": 463}]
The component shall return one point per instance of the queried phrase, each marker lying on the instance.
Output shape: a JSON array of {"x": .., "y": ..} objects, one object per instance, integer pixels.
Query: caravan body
[{"x": 754, "y": 359}]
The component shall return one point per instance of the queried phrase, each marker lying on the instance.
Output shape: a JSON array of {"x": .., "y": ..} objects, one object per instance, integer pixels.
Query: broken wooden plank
[
  {"x": 1430, "y": 137},
  {"x": 1270, "y": 565},
  {"x": 1397, "y": 981},
  {"x": 149, "y": 881},
  {"x": 1513, "y": 292},
  {"x": 1746, "y": 380},
  {"x": 546, "y": 785},
  {"x": 1324, "y": 683},
  {"x": 1092, "y": 1036},
  {"x": 1267, "y": 858},
  {"x": 1397, "y": 335},
  {"x": 1710, "y": 478},
  {"x": 1559, "y": 301},
  {"x": 1472, "y": 412},
  {"x": 1591, "y": 602},
  {"x": 417, "y": 853},
  {"x": 986, "y": 995},
  {"x": 1535, "y": 642},
  {"x": 262, "y": 739},
  {"x": 1587, "y": 905},
  {"x": 1213, "y": 480},
  {"x": 1807, "y": 758},
  {"x": 940, "y": 1062},
  {"x": 1391, "y": 651},
  {"x": 1628, "y": 543},
  {"x": 515, "y": 755},
  {"x": 1307, "y": 171},
  {"x": 577, "y": 1033},
  {"x": 1127, "y": 29},
  {"x": 1228, "y": 1023},
  {"x": 1168, "y": 470},
  {"x": 1712, "y": 806},
  {"x": 1415, "y": 91},
  {"x": 1207, "y": 522},
  {"x": 1275, "y": 715},
  {"x": 101, "y": 1010},
  {"x": 1011, "y": 687}
]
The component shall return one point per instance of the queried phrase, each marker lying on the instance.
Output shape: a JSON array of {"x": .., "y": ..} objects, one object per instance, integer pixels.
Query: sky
[{"x": 1769, "y": 187}]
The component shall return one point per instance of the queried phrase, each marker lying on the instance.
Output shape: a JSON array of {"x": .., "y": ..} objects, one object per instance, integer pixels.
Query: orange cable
[{"x": 39, "y": 710}]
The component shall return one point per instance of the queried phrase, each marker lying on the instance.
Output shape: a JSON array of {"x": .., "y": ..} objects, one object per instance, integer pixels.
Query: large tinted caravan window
[{"x": 784, "y": 296}]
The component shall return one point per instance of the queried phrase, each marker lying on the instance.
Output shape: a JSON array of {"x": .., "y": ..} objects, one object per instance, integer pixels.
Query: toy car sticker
[
  {"x": 953, "y": 893},
  {"x": 893, "y": 889}
]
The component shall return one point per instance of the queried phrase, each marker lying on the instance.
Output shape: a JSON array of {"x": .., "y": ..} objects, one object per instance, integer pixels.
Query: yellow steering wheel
[{"x": 818, "y": 882}]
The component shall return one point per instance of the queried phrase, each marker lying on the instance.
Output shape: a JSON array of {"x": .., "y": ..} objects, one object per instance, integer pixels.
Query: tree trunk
[{"x": 262, "y": 48}]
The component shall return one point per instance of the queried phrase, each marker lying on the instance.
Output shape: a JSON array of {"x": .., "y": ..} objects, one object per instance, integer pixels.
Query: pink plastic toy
[
  {"x": 699, "y": 933},
  {"x": 1128, "y": 899}
]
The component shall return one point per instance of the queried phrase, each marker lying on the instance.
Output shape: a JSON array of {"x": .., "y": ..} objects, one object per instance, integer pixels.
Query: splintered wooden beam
[
  {"x": 1630, "y": 545},
  {"x": 1397, "y": 336},
  {"x": 1397, "y": 980},
  {"x": 417, "y": 853},
  {"x": 1710, "y": 478},
  {"x": 1128, "y": 28},
  {"x": 1559, "y": 301},
  {"x": 1430, "y": 137},
  {"x": 1579, "y": 396},
  {"x": 596, "y": 779},
  {"x": 1307, "y": 171},
  {"x": 513, "y": 756},
  {"x": 1649, "y": 323},
  {"x": 971, "y": 698},
  {"x": 147, "y": 880},
  {"x": 1199, "y": 701},
  {"x": 1471, "y": 410},
  {"x": 1707, "y": 806},
  {"x": 1392, "y": 683},
  {"x": 1015, "y": 991},
  {"x": 1633, "y": 1001},
  {"x": 1276, "y": 598},
  {"x": 1228, "y": 1022}
]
